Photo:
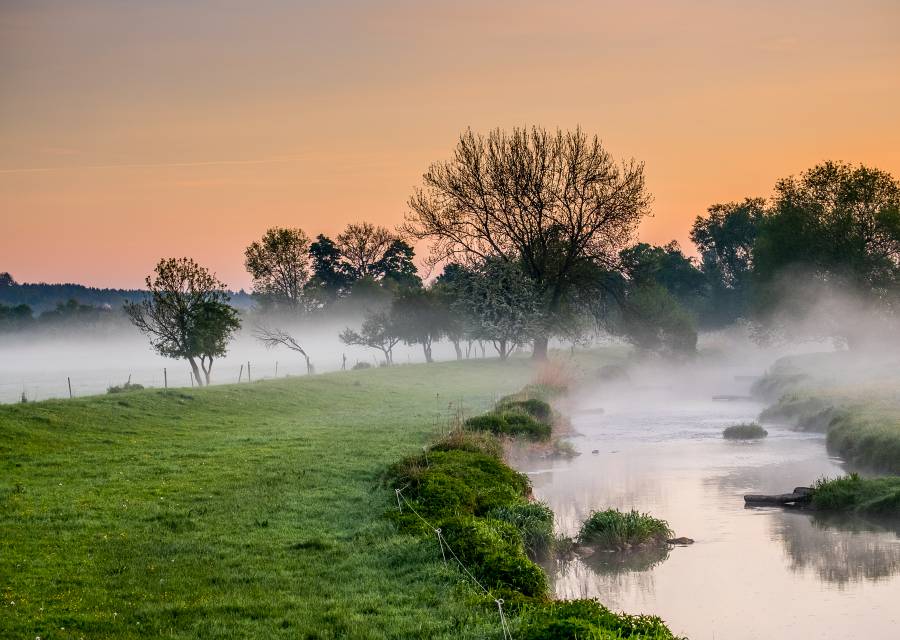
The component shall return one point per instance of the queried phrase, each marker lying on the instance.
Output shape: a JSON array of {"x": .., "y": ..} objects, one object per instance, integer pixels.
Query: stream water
[{"x": 752, "y": 572}]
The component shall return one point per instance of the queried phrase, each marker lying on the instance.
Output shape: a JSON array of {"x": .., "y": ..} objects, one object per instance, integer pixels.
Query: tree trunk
[
  {"x": 196, "y": 371},
  {"x": 456, "y": 347},
  {"x": 426, "y": 347},
  {"x": 500, "y": 345},
  {"x": 540, "y": 347}
]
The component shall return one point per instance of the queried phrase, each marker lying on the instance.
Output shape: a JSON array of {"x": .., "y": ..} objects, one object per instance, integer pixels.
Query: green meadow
[{"x": 252, "y": 510}]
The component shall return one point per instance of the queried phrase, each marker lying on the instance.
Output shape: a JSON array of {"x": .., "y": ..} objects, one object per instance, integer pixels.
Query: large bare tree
[
  {"x": 363, "y": 245},
  {"x": 554, "y": 202}
]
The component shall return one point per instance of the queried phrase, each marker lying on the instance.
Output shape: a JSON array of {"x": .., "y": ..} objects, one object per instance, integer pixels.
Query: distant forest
[{"x": 25, "y": 305}]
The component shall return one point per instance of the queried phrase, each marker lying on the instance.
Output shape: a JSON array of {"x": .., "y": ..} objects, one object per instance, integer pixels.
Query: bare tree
[
  {"x": 280, "y": 265},
  {"x": 552, "y": 202},
  {"x": 272, "y": 338},
  {"x": 186, "y": 315},
  {"x": 363, "y": 246}
]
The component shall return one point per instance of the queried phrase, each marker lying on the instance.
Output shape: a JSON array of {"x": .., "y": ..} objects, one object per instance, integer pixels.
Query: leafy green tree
[
  {"x": 668, "y": 267},
  {"x": 186, "y": 315},
  {"x": 397, "y": 266},
  {"x": 6, "y": 280},
  {"x": 449, "y": 288},
  {"x": 654, "y": 321},
  {"x": 331, "y": 278},
  {"x": 725, "y": 239},
  {"x": 502, "y": 304},
  {"x": 377, "y": 332},
  {"x": 279, "y": 264},
  {"x": 418, "y": 318},
  {"x": 549, "y": 202}
]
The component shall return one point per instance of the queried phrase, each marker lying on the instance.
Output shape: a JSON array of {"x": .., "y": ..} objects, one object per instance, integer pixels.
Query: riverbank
[
  {"x": 233, "y": 511},
  {"x": 852, "y": 401}
]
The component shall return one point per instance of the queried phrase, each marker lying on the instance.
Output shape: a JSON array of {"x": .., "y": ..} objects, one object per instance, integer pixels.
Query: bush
[
  {"x": 128, "y": 386},
  {"x": 867, "y": 439},
  {"x": 534, "y": 522},
  {"x": 747, "y": 431},
  {"x": 361, "y": 365},
  {"x": 614, "y": 530},
  {"x": 853, "y": 493},
  {"x": 553, "y": 377},
  {"x": 587, "y": 620},
  {"x": 534, "y": 407},
  {"x": 446, "y": 484},
  {"x": 510, "y": 423},
  {"x": 472, "y": 441},
  {"x": 494, "y": 552}
]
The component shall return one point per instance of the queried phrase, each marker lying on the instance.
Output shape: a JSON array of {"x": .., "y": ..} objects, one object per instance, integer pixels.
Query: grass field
[{"x": 250, "y": 511}]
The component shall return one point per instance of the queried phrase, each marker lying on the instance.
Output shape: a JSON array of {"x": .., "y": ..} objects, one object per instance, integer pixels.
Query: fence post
[
  {"x": 241, "y": 373},
  {"x": 69, "y": 380},
  {"x": 276, "y": 368},
  {"x": 248, "y": 372},
  {"x": 165, "y": 378}
]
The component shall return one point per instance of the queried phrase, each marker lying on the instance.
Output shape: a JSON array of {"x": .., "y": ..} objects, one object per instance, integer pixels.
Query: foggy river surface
[{"x": 752, "y": 573}]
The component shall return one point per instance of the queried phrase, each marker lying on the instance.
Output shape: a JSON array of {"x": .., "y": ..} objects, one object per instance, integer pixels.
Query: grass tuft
[
  {"x": 853, "y": 493},
  {"x": 746, "y": 431},
  {"x": 587, "y": 620},
  {"x": 614, "y": 530}
]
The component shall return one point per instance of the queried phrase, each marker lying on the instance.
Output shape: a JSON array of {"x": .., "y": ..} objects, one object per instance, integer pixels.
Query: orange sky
[{"x": 133, "y": 130}]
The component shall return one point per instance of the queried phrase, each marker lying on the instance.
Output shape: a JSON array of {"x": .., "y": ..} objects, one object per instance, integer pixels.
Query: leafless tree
[
  {"x": 555, "y": 202},
  {"x": 272, "y": 338},
  {"x": 363, "y": 245}
]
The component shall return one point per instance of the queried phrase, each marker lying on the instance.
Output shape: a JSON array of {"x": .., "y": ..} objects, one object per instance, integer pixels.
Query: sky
[{"x": 134, "y": 130}]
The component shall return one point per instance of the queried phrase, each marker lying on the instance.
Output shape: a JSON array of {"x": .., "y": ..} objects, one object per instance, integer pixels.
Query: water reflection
[{"x": 839, "y": 549}]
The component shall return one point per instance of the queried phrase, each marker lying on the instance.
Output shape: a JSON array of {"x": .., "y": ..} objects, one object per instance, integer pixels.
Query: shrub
[
  {"x": 445, "y": 484},
  {"x": 747, "y": 431},
  {"x": 510, "y": 423},
  {"x": 472, "y": 441},
  {"x": 494, "y": 552},
  {"x": 612, "y": 529},
  {"x": 587, "y": 620},
  {"x": 128, "y": 386},
  {"x": 535, "y": 407},
  {"x": 361, "y": 365},
  {"x": 534, "y": 521}
]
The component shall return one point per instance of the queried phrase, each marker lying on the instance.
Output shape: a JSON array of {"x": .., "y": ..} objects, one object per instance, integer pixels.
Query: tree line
[{"x": 532, "y": 236}]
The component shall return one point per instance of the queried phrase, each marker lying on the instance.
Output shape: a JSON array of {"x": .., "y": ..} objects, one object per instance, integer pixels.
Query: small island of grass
[
  {"x": 745, "y": 431},
  {"x": 614, "y": 530}
]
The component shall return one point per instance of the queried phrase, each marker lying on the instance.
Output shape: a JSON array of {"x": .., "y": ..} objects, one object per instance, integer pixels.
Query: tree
[
  {"x": 330, "y": 278},
  {"x": 363, "y": 246},
  {"x": 448, "y": 289},
  {"x": 15, "y": 317},
  {"x": 841, "y": 222},
  {"x": 279, "y": 265},
  {"x": 397, "y": 266},
  {"x": 418, "y": 318},
  {"x": 186, "y": 315},
  {"x": 550, "y": 202},
  {"x": 502, "y": 304},
  {"x": 654, "y": 321},
  {"x": 377, "y": 332},
  {"x": 272, "y": 338},
  {"x": 725, "y": 241},
  {"x": 6, "y": 280},
  {"x": 668, "y": 267}
]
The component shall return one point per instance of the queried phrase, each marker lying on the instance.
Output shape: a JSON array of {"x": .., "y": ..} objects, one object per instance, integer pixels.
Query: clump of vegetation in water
[
  {"x": 570, "y": 619},
  {"x": 534, "y": 521},
  {"x": 128, "y": 386},
  {"x": 746, "y": 431},
  {"x": 472, "y": 441},
  {"x": 510, "y": 423},
  {"x": 614, "y": 530},
  {"x": 853, "y": 493}
]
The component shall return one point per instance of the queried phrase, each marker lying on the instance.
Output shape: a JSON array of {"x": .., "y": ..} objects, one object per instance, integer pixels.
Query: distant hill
[{"x": 43, "y": 297}]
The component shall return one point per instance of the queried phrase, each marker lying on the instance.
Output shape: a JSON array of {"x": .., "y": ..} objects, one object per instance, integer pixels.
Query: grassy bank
[
  {"x": 234, "y": 511},
  {"x": 854, "y": 404},
  {"x": 860, "y": 495}
]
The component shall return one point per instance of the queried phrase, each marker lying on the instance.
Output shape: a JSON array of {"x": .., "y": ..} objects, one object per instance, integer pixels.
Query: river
[{"x": 657, "y": 446}]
